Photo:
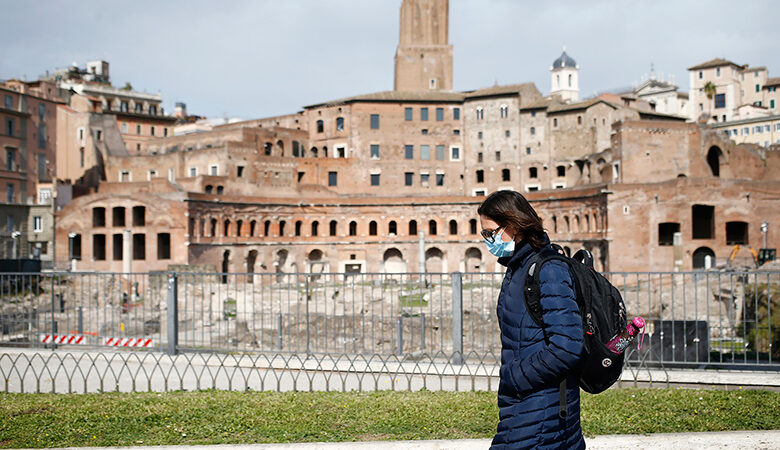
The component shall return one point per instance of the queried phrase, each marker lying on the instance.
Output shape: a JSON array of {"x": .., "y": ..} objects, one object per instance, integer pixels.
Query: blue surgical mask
[{"x": 500, "y": 248}]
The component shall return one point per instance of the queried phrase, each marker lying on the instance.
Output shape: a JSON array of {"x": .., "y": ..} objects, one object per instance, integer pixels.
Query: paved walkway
[{"x": 667, "y": 441}]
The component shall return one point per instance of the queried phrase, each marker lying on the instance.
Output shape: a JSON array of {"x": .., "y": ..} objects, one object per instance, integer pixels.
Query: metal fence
[{"x": 712, "y": 319}]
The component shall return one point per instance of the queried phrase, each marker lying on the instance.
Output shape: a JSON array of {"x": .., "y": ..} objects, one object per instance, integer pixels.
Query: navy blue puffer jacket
[{"x": 531, "y": 370}]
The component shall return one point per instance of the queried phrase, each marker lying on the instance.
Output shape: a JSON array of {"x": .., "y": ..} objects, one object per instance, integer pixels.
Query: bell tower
[{"x": 423, "y": 60}]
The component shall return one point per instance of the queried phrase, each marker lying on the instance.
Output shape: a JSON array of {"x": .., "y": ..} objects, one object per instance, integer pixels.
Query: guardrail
[{"x": 713, "y": 319}]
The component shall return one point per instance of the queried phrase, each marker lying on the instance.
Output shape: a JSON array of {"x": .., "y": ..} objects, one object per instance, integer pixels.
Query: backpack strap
[{"x": 534, "y": 306}]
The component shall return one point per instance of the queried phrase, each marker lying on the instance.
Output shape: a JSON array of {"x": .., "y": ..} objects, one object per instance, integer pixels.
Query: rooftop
[
  {"x": 717, "y": 62},
  {"x": 396, "y": 96},
  {"x": 564, "y": 61}
]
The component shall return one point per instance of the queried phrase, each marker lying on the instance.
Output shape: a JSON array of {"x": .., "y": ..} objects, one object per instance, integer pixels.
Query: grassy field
[{"x": 215, "y": 417}]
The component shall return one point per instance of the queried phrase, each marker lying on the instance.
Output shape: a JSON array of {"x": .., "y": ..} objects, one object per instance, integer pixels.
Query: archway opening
[{"x": 703, "y": 258}]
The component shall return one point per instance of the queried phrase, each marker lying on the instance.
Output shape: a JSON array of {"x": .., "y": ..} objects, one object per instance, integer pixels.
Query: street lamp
[{"x": 15, "y": 236}]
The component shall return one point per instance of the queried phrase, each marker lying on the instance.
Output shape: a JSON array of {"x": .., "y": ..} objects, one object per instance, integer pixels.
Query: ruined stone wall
[{"x": 635, "y": 210}]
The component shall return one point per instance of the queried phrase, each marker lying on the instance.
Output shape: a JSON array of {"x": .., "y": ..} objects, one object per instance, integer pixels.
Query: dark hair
[{"x": 510, "y": 208}]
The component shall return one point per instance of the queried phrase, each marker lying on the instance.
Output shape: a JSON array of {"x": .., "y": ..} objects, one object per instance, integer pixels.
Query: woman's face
[{"x": 491, "y": 226}]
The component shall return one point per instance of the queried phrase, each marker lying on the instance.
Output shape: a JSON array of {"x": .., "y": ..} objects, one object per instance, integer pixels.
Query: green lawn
[{"x": 215, "y": 417}]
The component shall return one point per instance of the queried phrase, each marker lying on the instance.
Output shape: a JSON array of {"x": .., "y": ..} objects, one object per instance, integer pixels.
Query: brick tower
[{"x": 423, "y": 60}]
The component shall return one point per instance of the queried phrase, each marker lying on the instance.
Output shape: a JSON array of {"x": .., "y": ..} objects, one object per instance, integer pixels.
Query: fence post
[
  {"x": 279, "y": 343},
  {"x": 53, "y": 320},
  {"x": 81, "y": 320},
  {"x": 173, "y": 313},
  {"x": 400, "y": 343},
  {"x": 308, "y": 324},
  {"x": 422, "y": 331},
  {"x": 457, "y": 318}
]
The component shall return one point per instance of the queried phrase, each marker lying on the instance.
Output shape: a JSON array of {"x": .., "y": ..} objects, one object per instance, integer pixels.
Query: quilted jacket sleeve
[{"x": 563, "y": 325}]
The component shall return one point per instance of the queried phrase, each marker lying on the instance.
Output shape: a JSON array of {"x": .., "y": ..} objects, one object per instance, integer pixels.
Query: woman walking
[{"x": 535, "y": 409}]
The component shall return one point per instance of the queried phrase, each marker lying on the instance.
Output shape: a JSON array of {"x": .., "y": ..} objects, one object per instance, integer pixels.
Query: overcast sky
[{"x": 260, "y": 58}]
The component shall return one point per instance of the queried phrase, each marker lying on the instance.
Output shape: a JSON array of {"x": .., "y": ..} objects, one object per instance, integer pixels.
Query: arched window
[
  {"x": 703, "y": 258},
  {"x": 372, "y": 228},
  {"x": 213, "y": 228},
  {"x": 220, "y": 190},
  {"x": 353, "y": 228},
  {"x": 296, "y": 149},
  {"x": 315, "y": 228},
  {"x": 587, "y": 223},
  {"x": 252, "y": 227},
  {"x": 714, "y": 156},
  {"x": 555, "y": 224},
  {"x": 298, "y": 225},
  {"x": 412, "y": 228},
  {"x": 320, "y": 126},
  {"x": 392, "y": 228},
  {"x": 555, "y": 122},
  {"x": 209, "y": 188},
  {"x": 568, "y": 224},
  {"x": 505, "y": 175},
  {"x": 333, "y": 225},
  {"x": 268, "y": 148},
  {"x": 266, "y": 227},
  {"x": 324, "y": 151},
  {"x": 453, "y": 227},
  {"x": 227, "y": 227},
  {"x": 431, "y": 227},
  {"x": 282, "y": 223},
  {"x": 533, "y": 172},
  {"x": 339, "y": 124},
  {"x": 569, "y": 80},
  {"x": 239, "y": 224},
  {"x": 314, "y": 152},
  {"x": 473, "y": 226}
]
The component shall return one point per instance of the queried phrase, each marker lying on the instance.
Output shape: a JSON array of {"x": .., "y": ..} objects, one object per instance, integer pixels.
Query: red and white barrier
[
  {"x": 128, "y": 342},
  {"x": 62, "y": 339}
]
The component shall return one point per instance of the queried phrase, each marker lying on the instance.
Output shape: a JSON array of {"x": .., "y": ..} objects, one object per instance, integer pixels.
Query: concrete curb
[{"x": 767, "y": 439}]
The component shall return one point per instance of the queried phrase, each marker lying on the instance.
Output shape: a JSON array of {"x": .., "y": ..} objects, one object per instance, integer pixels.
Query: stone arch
[
  {"x": 393, "y": 261},
  {"x": 577, "y": 226},
  {"x": 225, "y": 265},
  {"x": 353, "y": 228},
  {"x": 268, "y": 148},
  {"x": 314, "y": 152},
  {"x": 315, "y": 262},
  {"x": 453, "y": 226},
  {"x": 703, "y": 258},
  {"x": 280, "y": 262},
  {"x": 473, "y": 260},
  {"x": 372, "y": 228},
  {"x": 715, "y": 160},
  {"x": 434, "y": 260},
  {"x": 251, "y": 258},
  {"x": 209, "y": 189},
  {"x": 280, "y": 146},
  {"x": 226, "y": 228},
  {"x": 568, "y": 224},
  {"x": 213, "y": 228}
]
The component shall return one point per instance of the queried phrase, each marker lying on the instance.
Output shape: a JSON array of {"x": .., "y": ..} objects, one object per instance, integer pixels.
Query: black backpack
[{"x": 603, "y": 316}]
